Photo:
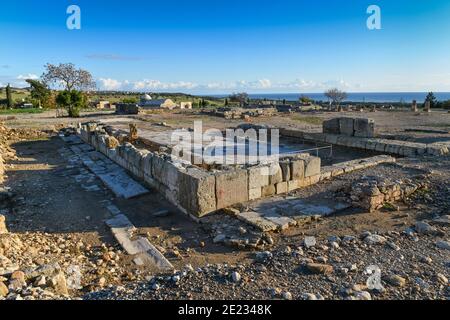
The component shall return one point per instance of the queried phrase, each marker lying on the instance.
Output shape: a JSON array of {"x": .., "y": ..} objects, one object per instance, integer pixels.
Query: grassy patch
[
  {"x": 20, "y": 111},
  {"x": 309, "y": 120}
]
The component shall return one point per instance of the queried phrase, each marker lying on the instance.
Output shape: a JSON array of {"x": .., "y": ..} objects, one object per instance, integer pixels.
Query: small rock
[
  {"x": 374, "y": 239},
  {"x": 424, "y": 228},
  {"x": 287, "y": 295},
  {"x": 59, "y": 284},
  {"x": 443, "y": 221},
  {"x": 426, "y": 260},
  {"x": 441, "y": 244},
  {"x": 362, "y": 295},
  {"x": 318, "y": 268},
  {"x": 235, "y": 276},
  {"x": 219, "y": 238},
  {"x": 442, "y": 279},
  {"x": 275, "y": 292},
  {"x": 3, "y": 229},
  {"x": 393, "y": 246},
  {"x": 263, "y": 256},
  {"x": 155, "y": 287},
  {"x": 309, "y": 296},
  {"x": 3, "y": 290},
  {"x": 395, "y": 280},
  {"x": 101, "y": 282},
  {"x": 309, "y": 242}
]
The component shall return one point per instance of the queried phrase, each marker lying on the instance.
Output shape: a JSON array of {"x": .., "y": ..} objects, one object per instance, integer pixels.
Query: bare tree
[
  {"x": 241, "y": 98},
  {"x": 66, "y": 75},
  {"x": 336, "y": 96}
]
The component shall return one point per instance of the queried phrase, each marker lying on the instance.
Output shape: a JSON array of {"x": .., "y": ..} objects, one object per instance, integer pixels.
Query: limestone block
[
  {"x": 231, "y": 188},
  {"x": 286, "y": 170},
  {"x": 346, "y": 126},
  {"x": 326, "y": 175},
  {"x": 364, "y": 128},
  {"x": 292, "y": 185},
  {"x": 111, "y": 142},
  {"x": 312, "y": 166},
  {"x": 297, "y": 169},
  {"x": 281, "y": 187},
  {"x": 197, "y": 191},
  {"x": 268, "y": 191},
  {"x": 165, "y": 172},
  {"x": 254, "y": 193},
  {"x": 258, "y": 177},
  {"x": 276, "y": 174},
  {"x": 381, "y": 147},
  {"x": 331, "y": 138},
  {"x": 331, "y": 126}
]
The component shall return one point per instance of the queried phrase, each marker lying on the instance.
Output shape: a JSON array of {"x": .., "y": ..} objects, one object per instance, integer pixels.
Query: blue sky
[{"x": 235, "y": 45}]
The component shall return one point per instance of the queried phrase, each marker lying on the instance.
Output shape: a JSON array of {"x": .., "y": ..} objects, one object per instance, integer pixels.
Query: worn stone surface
[
  {"x": 312, "y": 166},
  {"x": 364, "y": 127},
  {"x": 258, "y": 177},
  {"x": 197, "y": 191},
  {"x": 255, "y": 219},
  {"x": 231, "y": 188},
  {"x": 297, "y": 169},
  {"x": 346, "y": 126}
]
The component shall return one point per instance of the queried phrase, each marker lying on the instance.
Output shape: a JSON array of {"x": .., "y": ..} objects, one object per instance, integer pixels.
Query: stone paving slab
[{"x": 257, "y": 220}]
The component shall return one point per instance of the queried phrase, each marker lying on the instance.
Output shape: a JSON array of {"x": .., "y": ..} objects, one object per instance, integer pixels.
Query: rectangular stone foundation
[{"x": 197, "y": 191}]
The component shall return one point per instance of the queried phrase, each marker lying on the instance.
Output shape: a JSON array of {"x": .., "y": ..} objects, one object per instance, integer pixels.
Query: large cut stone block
[
  {"x": 268, "y": 191},
  {"x": 297, "y": 169},
  {"x": 364, "y": 128},
  {"x": 254, "y": 193},
  {"x": 285, "y": 170},
  {"x": 258, "y": 177},
  {"x": 231, "y": 188},
  {"x": 197, "y": 192},
  {"x": 312, "y": 166},
  {"x": 331, "y": 126},
  {"x": 276, "y": 174},
  {"x": 347, "y": 126},
  {"x": 281, "y": 187},
  {"x": 165, "y": 172}
]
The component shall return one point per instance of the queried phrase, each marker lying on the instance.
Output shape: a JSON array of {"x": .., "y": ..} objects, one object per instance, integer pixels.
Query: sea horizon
[{"x": 374, "y": 97}]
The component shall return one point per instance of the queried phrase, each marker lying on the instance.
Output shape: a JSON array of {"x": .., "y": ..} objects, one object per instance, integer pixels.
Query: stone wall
[
  {"x": 196, "y": 191},
  {"x": 402, "y": 148},
  {"x": 127, "y": 108},
  {"x": 353, "y": 127}
]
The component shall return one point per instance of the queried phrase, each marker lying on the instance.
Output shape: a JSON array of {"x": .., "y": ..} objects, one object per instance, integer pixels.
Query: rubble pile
[
  {"x": 373, "y": 193},
  {"x": 50, "y": 266}
]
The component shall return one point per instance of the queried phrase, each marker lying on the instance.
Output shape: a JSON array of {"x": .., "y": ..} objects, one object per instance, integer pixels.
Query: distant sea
[{"x": 376, "y": 97}]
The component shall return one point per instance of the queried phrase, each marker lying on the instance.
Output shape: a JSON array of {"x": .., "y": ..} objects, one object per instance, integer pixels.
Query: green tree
[
  {"x": 305, "y": 100},
  {"x": 41, "y": 93},
  {"x": 432, "y": 99},
  {"x": 9, "y": 100},
  {"x": 226, "y": 102},
  {"x": 73, "y": 101}
]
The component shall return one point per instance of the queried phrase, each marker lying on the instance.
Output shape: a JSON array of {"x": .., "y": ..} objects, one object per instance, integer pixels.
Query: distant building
[
  {"x": 185, "y": 105},
  {"x": 103, "y": 105},
  {"x": 146, "y": 102}
]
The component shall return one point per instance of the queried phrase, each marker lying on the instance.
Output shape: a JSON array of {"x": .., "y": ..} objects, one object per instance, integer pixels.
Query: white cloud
[
  {"x": 110, "y": 84},
  {"x": 28, "y": 76},
  {"x": 298, "y": 85},
  {"x": 158, "y": 85}
]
